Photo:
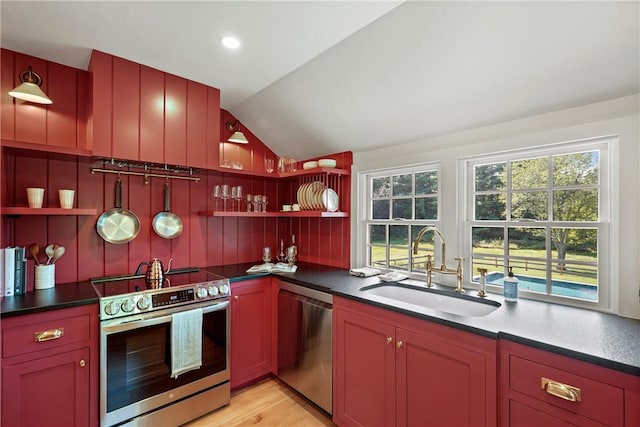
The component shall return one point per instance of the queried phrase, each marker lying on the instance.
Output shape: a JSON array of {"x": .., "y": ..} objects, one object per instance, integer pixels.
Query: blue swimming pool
[{"x": 559, "y": 287}]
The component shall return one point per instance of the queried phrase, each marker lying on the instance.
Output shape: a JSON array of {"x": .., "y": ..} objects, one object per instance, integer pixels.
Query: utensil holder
[
  {"x": 45, "y": 277},
  {"x": 35, "y": 196}
]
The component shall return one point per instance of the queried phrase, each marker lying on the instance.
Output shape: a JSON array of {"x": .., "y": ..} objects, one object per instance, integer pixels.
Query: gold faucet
[{"x": 443, "y": 267}]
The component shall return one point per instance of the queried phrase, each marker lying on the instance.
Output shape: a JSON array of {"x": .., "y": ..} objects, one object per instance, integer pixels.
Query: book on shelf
[
  {"x": 20, "y": 273},
  {"x": 9, "y": 271},
  {"x": 269, "y": 267}
]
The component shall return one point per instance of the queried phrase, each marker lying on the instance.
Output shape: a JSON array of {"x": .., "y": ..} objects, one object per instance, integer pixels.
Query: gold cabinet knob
[
  {"x": 389, "y": 339},
  {"x": 236, "y": 297},
  {"x": 399, "y": 344},
  {"x": 83, "y": 363}
]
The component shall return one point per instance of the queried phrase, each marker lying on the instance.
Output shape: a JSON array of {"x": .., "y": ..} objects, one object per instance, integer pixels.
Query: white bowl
[
  {"x": 310, "y": 165},
  {"x": 327, "y": 163}
]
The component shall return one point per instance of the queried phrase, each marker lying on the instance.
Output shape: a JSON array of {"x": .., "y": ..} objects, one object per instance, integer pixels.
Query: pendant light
[
  {"x": 29, "y": 89},
  {"x": 237, "y": 137}
]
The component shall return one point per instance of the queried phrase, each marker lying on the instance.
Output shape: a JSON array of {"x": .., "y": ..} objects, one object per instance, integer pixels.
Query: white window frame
[
  {"x": 364, "y": 185},
  {"x": 606, "y": 224}
]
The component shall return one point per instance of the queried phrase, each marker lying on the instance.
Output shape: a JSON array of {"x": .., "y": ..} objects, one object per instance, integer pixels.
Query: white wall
[{"x": 615, "y": 117}]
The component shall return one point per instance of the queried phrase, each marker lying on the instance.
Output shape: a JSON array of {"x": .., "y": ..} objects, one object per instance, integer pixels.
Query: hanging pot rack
[{"x": 149, "y": 170}]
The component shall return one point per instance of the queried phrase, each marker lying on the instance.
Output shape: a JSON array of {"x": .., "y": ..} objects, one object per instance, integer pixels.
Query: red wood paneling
[
  {"x": 180, "y": 205},
  {"x": 31, "y": 119},
  {"x": 139, "y": 202},
  {"x": 101, "y": 68},
  {"x": 151, "y": 115},
  {"x": 196, "y": 124},
  {"x": 8, "y": 77},
  {"x": 126, "y": 111},
  {"x": 62, "y": 114},
  {"x": 90, "y": 193},
  {"x": 213, "y": 128},
  {"x": 175, "y": 120}
]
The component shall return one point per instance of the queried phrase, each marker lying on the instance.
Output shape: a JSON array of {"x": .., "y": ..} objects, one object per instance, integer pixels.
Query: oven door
[{"x": 135, "y": 361}]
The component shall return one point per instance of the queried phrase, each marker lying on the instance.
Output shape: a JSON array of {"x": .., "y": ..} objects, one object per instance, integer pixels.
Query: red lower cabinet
[
  {"x": 50, "y": 369},
  {"x": 395, "y": 370},
  {"x": 251, "y": 330},
  {"x": 538, "y": 388}
]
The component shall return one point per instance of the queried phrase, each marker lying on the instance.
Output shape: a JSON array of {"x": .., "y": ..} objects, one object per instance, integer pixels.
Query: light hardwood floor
[{"x": 267, "y": 403}]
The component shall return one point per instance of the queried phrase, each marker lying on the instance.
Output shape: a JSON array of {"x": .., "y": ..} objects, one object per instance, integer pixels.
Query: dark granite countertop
[
  {"x": 61, "y": 296},
  {"x": 600, "y": 338}
]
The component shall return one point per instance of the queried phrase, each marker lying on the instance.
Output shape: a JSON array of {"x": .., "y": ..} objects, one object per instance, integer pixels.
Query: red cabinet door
[
  {"x": 175, "y": 120},
  {"x": 364, "y": 370},
  {"x": 52, "y": 391},
  {"x": 251, "y": 330},
  {"x": 438, "y": 383},
  {"x": 196, "y": 125},
  {"x": 151, "y": 115}
]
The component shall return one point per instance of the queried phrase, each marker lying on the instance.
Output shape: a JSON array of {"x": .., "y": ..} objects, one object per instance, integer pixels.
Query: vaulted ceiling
[{"x": 317, "y": 77}]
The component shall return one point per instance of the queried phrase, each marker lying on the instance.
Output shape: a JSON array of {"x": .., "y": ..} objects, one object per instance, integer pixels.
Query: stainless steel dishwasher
[{"x": 304, "y": 342}]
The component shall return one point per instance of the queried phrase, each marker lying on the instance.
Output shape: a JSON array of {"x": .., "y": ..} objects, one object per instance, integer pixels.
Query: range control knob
[
  {"x": 112, "y": 308},
  {"x": 213, "y": 291},
  {"x": 224, "y": 289},
  {"x": 144, "y": 302},
  {"x": 202, "y": 292},
  {"x": 128, "y": 305}
]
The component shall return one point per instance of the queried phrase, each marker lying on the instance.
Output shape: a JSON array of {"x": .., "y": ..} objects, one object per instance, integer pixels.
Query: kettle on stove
[{"x": 155, "y": 274}]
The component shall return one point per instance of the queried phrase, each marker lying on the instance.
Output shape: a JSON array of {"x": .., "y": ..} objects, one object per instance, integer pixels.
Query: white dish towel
[{"x": 186, "y": 341}]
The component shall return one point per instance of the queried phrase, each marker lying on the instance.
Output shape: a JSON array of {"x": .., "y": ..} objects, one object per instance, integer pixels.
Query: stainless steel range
[{"x": 164, "y": 353}]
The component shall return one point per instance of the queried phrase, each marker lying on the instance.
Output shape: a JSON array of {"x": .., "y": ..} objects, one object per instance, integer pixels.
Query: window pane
[
  {"x": 377, "y": 234},
  {"x": 530, "y": 243},
  {"x": 490, "y": 177},
  {"x": 531, "y": 173},
  {"x": 402, "y": 185},
  {"x": 380, "y": 209},
  {"x": 402, "y": 208},
  {"x": 529, "y": 205},
  {"x": 427, "y": 182},
  {"x": 575, "y": 205},
  {"x": 381, "y": 187},
  {"x": 576, "y": 169},
  {"x": 399, "y": 246},
  {"x": 426, "y": 208},
  {"x": 575, "y": 263},
  {"x": 378, "y": 256},
  {"x": 487, "y": 251},
  {"x": 491, "y": 207}
]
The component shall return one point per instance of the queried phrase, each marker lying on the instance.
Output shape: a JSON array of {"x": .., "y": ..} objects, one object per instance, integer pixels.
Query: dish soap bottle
[{"x": 511, "y": 287}]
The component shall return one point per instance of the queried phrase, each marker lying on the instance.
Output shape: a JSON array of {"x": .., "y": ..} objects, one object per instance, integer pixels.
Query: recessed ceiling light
[{"x": 230, "y": 42}]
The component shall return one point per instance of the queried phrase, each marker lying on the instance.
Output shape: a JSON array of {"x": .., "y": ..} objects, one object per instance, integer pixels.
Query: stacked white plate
[{"x": 315, "y": 196}]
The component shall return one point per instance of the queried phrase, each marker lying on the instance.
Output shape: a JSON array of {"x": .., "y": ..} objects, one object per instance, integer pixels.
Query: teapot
[{"x": 155, "y": 274}]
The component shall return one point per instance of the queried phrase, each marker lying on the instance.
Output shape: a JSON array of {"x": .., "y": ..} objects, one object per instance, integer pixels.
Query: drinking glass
[
  {"x": 269, "y": 165},
  {"x": 216, "y": 195},
  {"x": 225, "y": 194},
  {"x": 291, "y": 255},
  {"x": 248, "y": 201},
  {"x": 263, "y": 202},
  {"x": 256, "y": 202},
  {"x": 239, "y": 195},
  {"x": 266, "y": 254}
]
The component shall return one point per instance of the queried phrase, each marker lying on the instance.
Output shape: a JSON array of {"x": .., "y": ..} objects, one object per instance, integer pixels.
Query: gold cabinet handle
[
  {"x": 389, "y": 339},
  {"x": 51, "y": 334},
  {"x": 83, "y": 363},
  {"x": 563, "y": 391},
  {"x": 399, "y": 344}
]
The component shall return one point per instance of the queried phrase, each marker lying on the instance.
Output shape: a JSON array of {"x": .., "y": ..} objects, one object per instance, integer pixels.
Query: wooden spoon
[
  {"x": 34, "y": 250},
  {"x": 49, "y": 251},
  {"x": 57, "y": 253}
]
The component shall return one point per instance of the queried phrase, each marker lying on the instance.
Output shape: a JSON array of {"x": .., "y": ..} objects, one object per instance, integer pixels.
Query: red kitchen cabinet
[
  {"x": 146, "y": 115},
  {"x": 542, "y": 388},
  {"x": 392, "y": 369},
  {"x": 61, "y": 125},
  {"x": 50, "y": 368},
  {"x": 251, "y": 330}
]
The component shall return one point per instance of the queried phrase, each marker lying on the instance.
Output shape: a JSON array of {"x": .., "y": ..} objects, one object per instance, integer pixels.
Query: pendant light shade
[
  {"x": 237, "y": 137},
  {"x": 29, "y": 89}
]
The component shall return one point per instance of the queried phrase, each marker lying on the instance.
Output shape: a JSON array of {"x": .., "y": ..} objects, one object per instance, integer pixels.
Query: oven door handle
[{"x": 140, "y": 322}]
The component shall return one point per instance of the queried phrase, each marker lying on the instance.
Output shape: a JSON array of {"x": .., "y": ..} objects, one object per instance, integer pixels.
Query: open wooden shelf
[
  {"x": 46, "y": 211},
  {"x": 303, "y": 214}
]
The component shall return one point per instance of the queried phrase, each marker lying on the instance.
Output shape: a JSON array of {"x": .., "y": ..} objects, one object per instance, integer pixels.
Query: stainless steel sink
[{"x": 435, "y": 299}]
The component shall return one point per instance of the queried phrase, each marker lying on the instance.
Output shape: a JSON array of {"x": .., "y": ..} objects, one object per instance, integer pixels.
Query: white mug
[
  {"x": 295, "y": 207},
  {"x": 286, "y": 208},
  {"x": 66, "y": 198},
  {"x": 35, "y": 196}
]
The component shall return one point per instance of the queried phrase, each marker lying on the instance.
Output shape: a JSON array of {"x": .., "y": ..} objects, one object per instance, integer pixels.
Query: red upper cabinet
[
  {"x": 61, "y": 124},
  {"x": 142, "y": 114}
]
